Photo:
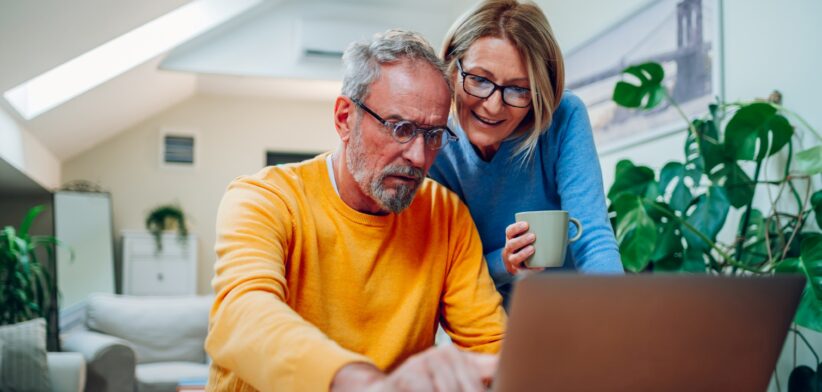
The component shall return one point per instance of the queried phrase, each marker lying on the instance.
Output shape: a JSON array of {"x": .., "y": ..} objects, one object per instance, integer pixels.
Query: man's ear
[{"x": 344, "y": 117}]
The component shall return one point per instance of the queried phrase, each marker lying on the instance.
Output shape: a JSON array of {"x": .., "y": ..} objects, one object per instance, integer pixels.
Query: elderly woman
[{"x": 524, "y": 143}]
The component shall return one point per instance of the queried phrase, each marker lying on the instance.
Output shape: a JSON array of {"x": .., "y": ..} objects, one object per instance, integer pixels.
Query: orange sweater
[{"x": 306, "y": 285}]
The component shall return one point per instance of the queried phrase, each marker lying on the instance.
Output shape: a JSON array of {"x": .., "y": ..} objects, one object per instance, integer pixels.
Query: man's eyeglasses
[
  {"x": 480, "y": 87},
  {"x": 404, "y": 131}
]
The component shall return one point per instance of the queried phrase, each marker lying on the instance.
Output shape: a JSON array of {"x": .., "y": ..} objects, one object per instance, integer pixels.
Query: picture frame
[{"x": 685, "y": 36}]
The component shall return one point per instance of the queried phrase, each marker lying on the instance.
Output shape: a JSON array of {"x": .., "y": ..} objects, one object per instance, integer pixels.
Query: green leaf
[
  {"x": 809, "y": 313},
  {"x": 636, "y": 180},
  {"x": 681, "y": 195},
  {"x": 671, "y": 171},
  {"x": 669, "y": 241},
  {"x": 809, "y": 162},
  {"x": 789, "y": 266},
  {"x": 755, "y": 247},
  {"x": 29, "y": 219},
  {"x": 811, "y": 258},
  {"x": 636, "y": 232},
  {"x": 739, "y": 186},
  {"x": 708, "y": 217},
  {"x": 693, "y": 261},
  {"x": 816, "y": 202},
  {"x": 648, "y": 93},
  {"x": 756, "y": 131},
  {"x": 670, "y": 263},
  {"x": 704, "y": 151}
]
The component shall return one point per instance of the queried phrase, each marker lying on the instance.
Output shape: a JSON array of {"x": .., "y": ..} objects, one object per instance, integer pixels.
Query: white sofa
[
  {"x": 144, "y": 344},
  {"x": 67, "y": 371}
]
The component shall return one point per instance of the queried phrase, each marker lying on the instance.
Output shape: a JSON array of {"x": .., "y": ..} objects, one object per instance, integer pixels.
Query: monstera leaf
[
  {"x": 756, "y": 131},
  {"x": 816, "y": 202},
  {"x": 648, "y": 93},
  {"x": 636, "y": 180},
  {"x": 703, "y": 150},
  {"x": 668, "y": 254},
  {"x": 707, "y": 217},
  {"x": 681, "y": 196},
  {"x": 739, "y": 186},
  {"x": 809, "y": 162},
  {"x": 755, "y": 247},
  {"x": 809, "y": 264},
  {"x": 635, "y": 230}
]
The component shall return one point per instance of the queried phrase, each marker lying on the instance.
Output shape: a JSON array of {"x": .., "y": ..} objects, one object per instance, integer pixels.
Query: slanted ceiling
[{"x": 36, "y": 36}]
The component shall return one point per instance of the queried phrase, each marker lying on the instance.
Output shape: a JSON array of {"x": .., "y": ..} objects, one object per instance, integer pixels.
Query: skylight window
[{"x": 70, "y": 79}]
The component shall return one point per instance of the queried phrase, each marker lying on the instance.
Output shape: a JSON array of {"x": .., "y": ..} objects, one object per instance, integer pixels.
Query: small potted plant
[{"x": 167, "y": 217}]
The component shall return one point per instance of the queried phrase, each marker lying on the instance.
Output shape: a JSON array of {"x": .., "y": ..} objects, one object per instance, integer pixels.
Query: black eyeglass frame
[
  {"x": 496, "y": 87},
  {"x": 394, "y": 126}
]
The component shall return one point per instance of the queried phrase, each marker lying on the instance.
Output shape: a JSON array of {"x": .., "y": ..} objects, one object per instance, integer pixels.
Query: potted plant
[
  {"x": 163, "y": 218},
  {"x": 26, "y": 286},
  {"x": 669, "y": 220}
]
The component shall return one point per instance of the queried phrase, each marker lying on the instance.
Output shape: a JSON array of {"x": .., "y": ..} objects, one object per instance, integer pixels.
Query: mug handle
[{"x": 579, "y": 229}]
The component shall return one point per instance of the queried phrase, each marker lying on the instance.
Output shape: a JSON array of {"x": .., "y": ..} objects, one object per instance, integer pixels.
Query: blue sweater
[{"x": 563, "y": 175}]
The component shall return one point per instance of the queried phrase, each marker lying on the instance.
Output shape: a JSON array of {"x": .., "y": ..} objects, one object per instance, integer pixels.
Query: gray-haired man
[{"x": 335, "y": 272}]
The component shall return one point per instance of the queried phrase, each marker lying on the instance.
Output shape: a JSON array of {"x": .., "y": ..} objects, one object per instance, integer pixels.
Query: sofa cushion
[
  {"x": 161, "y": 329},
  {"x": 24, "y": 357},
  {"x": 165, "y": 376}
]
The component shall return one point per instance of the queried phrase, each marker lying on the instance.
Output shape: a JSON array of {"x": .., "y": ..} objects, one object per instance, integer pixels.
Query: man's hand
[
  {"x": 356, "y": 377},
  {"x": 443, "y": 368}
]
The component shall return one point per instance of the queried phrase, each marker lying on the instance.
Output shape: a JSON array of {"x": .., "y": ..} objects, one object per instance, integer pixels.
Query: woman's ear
[{"x": 343, "y": 117}]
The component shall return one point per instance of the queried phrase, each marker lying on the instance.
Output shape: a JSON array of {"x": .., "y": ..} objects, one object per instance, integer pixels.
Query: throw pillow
[{"x": 24, "y": 366}]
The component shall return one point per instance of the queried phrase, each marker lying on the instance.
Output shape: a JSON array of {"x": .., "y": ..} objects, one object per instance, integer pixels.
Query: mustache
[{"x": 407, "y": 171}]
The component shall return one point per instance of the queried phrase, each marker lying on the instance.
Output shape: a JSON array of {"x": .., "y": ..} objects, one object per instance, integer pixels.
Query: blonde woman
[{"x": 524, "y": 143}]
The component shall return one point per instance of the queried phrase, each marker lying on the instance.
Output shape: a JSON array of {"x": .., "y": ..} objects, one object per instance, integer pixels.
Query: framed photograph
[{"x": 682, "y": 35}]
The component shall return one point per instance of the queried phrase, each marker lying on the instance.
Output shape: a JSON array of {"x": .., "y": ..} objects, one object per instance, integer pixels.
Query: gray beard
[{"x": 402, "y": 194}]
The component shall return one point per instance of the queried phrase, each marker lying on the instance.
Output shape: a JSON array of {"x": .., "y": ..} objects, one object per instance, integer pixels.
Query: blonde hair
[{"x": 524, "y": 25}]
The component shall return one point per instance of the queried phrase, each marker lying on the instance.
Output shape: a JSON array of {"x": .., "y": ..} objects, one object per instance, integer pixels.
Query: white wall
[
  {"x": 234, "y": 134},
  {"x": 23, "y": 151}
]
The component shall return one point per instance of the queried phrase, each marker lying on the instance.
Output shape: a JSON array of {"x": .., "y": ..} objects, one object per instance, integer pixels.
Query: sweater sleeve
[
  {"x": 496, "y": 268},
  {"x": 579, "y": 184},
  {"x": 253, "y": 332},
  {"x": 472, "y": 312}
]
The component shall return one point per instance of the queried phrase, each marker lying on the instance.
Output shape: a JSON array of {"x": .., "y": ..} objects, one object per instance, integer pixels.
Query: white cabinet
[{"x": 170, "y": 271}]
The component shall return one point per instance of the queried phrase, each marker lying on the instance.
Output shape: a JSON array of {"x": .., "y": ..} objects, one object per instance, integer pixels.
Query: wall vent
[{"x": 178, "y": 149}]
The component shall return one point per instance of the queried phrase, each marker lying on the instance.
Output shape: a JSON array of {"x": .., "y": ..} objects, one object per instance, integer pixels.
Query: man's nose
[{"x": 414, "y": 151}]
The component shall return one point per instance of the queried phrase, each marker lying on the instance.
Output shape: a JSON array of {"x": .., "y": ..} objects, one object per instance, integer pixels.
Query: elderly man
[{"x": 334, "y": 273}]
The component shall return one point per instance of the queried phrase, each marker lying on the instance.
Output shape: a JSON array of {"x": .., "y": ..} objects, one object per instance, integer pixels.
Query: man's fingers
[
  {"x": 485, "y": 364},
  {"x": 468, "y": 376},
  {"x": 442, "y": 372}
]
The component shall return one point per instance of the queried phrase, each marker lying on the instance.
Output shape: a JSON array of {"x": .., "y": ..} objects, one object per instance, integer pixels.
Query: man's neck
[{"x": 349, "y": 191}]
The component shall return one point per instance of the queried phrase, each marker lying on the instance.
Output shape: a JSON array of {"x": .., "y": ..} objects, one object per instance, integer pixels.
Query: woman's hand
[{"x": 518, "y": 247}]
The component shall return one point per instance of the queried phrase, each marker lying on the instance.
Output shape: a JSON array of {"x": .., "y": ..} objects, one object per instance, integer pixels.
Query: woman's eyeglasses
[{"x": 480, "y": 87}]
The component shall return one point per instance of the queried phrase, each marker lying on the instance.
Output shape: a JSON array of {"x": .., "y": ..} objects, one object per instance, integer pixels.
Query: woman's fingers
[
  {"x": 515, "y": 229},
  {"x": 518, "y": 258}
]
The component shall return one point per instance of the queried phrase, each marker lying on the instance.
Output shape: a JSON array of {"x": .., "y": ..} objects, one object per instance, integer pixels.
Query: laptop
[{"x": 646, "y": 332}]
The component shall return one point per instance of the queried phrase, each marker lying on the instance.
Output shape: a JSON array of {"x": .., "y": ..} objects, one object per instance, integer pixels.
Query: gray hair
[{"x": 363, "y": 59}]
